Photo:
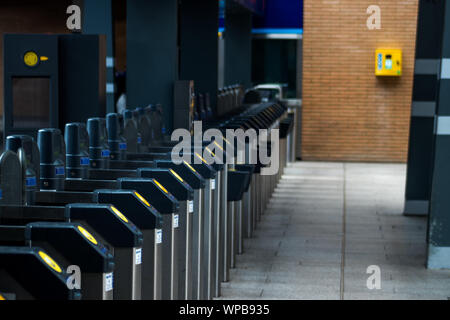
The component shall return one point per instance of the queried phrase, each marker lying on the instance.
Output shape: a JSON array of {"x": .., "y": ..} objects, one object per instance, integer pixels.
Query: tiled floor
[{"x": 302, "y": 248}]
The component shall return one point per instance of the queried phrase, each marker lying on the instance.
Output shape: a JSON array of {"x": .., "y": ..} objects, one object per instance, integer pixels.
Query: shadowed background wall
[
  {"x": 349, "y": 114},
  {"x": 30, "y": 16}
]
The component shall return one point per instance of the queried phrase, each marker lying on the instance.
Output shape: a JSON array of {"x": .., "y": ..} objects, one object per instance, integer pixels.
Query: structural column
[
  {"x": 97, "y": 19},
  {"x": 439, "y": 216},
  {"x": 238, "y": 45},
  {"x": 199, "y": 25},
  {"x": 428, "y": 53},
  {"x": 152, "y": 54}
]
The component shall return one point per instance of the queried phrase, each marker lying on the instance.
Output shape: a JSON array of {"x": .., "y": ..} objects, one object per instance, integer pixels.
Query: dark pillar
[
  {"x": 97, "y": 19},
  {"x": 152, "y": 59},
  {"x": 199, "y": 25},
  {"x": 428, "y": 53},
  {"x": 439, "y": 217},
  {"x": 238, "y": 45}
]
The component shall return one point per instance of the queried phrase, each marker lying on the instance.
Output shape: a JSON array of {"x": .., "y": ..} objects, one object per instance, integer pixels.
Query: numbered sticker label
[
  {"x": 213, "y": 184},
  {"x": 109, "y": 282},
  {"x": 138, "y": 256},
  {"x": 159, "y": 236},
  {"x": 191, "y": 206},
  {"x": 176, "y": 221}
]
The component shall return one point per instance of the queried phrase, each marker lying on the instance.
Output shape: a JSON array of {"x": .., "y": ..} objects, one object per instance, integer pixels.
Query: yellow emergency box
[{"x": 388, "y": 62}]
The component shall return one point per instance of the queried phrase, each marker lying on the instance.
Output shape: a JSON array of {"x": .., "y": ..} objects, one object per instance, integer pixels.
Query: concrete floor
[{"x": 326, "y": 224}]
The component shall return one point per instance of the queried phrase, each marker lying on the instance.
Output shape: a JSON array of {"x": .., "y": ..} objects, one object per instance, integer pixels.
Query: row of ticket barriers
[{"x": 102, "y": 212}]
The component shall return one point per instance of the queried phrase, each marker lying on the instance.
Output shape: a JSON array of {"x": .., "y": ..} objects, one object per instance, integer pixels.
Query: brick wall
[{"x": 348, "y": 113}]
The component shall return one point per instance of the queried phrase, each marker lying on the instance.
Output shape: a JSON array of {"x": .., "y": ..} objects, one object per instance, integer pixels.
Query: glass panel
[
  {"x": 31, "y": 102},
  {"x": 275, "y": 61}
]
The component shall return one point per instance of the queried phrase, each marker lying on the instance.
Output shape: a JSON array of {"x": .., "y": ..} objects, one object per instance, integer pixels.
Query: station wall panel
[
  {"x": 348, "y": 113},
  {"x": 30, "y": 16}
]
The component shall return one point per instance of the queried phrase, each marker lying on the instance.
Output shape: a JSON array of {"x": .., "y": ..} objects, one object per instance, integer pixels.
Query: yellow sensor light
[
  {"x": 50, "y": 262},
  {"x": 189, "y": 166},
  {"x": 212, "y": 153},
  {"x": 218, "y": 145},
  {"x": 176, "y": 175},
  {"x": 226, "y": 141},
  {"x": 200, "y": 157},
  {"x": 142, "y": 199},
  {"x": 87, "y": 235},
  {"x": 2, "y": 298},
  {"x": 119, "y": 214},
  {"x": 160, "y": 186}
]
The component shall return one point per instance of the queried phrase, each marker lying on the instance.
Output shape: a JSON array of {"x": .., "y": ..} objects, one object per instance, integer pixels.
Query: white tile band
[
  {"x": 110, "y": 88},
  {"x": 442, "y": 126},
  {"x": 438, "y": 257},
  {"x": 109, "y": 62},
  {"x": 445, "y": 69}
]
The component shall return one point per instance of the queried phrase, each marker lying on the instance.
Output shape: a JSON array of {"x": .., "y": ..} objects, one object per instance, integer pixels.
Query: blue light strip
[
  {"x": 277, "y": 31},
  {"x": 272, "y": 30}
]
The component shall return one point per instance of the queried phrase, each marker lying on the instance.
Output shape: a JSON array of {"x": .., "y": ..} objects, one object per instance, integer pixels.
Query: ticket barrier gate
[
  {"x": 130, "y": 132},
  {"x": 136, "y": 205},
  {"x": 101, "y": 167},
  {"x": 181, "y": 190},
  {"x": 7, "y": 296},
  {"x": 197, "y": 183},
  {"x": 207, "y": 289},
  {"x": 47, "y": 281},
  {"x": 143, "y": 215},
  {"x": 125, "y": 235},
  {"x": 106, "y": 224},
  {"x": 143, "y": 122},
  {"x": 168, "y": 206},
  {"x": 286, "y": 128},
  {"x": 164, "y": 149},
  {"x": 149, "y": 221},
  {"x": 112, "y": 174},
  {"x": 78, "y": 158},
  {"x": 218, "y": 194},
  {"x": 71, "y": 245},
  {"x": 126, "y": 240},
  {"x": 238, "y": 182},
  {"x": 118, "y": 145},
  {"x": 259, "y": 117},
  {"x": 246, "y": 219},
  {"x": 147, "y": 122},
  {"x": 223, "y": 212}
]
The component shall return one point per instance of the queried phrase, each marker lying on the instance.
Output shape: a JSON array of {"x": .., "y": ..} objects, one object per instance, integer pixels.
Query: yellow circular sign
[
  {"x": 119, "y": 214},
  {"x": 50, "y": 262},
  {"x": 30, "y": 58},
  {"x": 87, "y": 235},
  {"x": 143, "y": 200}
]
